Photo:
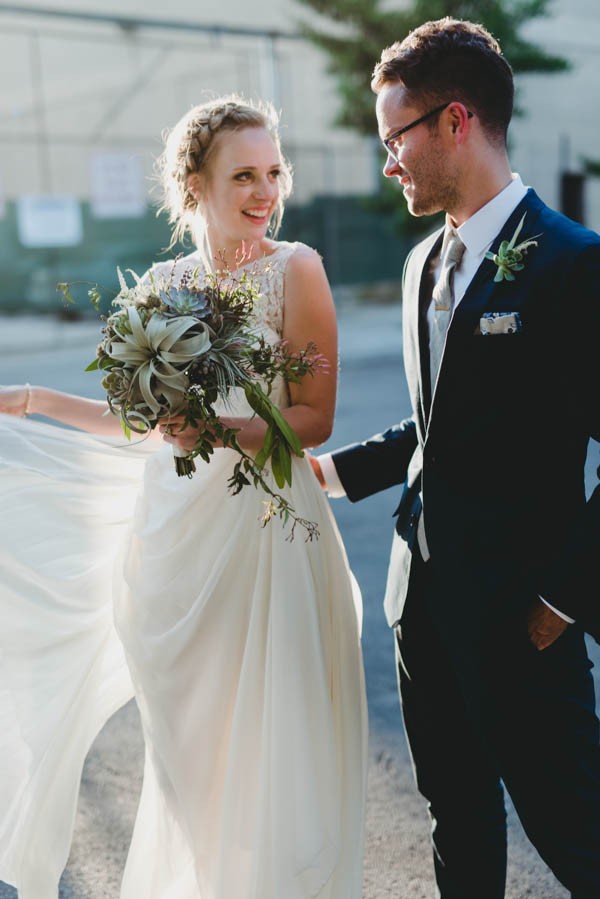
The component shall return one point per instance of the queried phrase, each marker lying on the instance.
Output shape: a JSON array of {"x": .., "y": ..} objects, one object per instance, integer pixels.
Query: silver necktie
[{"x": 443, "y": 297}]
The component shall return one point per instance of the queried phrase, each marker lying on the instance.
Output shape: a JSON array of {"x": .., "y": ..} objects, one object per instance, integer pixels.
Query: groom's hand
[
  {"x": 544, "y": 626},
  {"x": 318, "y": 471}
]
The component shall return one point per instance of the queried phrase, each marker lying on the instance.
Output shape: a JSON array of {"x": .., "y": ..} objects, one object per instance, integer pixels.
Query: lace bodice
[{"x": 268, "y": 273}]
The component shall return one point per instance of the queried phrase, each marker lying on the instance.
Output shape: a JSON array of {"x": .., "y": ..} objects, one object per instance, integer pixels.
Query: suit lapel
[
  {"x": 482, "y": 292},
  {"x": 416, "y": 297},
  {"x": 482, "y": 289}
]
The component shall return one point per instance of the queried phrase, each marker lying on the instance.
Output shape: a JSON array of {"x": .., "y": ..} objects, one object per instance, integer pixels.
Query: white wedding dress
[{"x": 243, "y": 649}]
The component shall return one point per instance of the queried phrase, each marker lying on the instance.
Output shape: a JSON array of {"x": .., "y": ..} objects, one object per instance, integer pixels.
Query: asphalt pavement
[
  {"x": 365, "y": 330},
  {"x": 372, "y": 395}
]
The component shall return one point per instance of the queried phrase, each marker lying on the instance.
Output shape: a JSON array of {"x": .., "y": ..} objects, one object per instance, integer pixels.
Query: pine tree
[
  {"x": 360, "y": 29},
  {"x": 369, "y": 28}
]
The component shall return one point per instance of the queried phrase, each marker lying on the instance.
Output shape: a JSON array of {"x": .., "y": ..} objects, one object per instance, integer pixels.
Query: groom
[{"x": 493, "y": 577}]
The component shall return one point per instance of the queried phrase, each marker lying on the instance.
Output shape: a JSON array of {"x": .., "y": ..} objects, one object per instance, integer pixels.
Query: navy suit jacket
[{"x": 499, "y": 456}]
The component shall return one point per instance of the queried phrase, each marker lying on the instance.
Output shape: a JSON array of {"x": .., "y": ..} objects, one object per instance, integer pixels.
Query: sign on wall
[
  {"x": 46, "y": 220},
  {"x": 117, "y": 187}
]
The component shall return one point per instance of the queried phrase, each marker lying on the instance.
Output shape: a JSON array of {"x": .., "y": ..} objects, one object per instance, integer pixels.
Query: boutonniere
[{"x": 510, "y": 256}]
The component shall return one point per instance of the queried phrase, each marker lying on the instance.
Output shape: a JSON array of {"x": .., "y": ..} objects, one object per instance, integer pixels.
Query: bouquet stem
[{"x": 184, "y": 463}]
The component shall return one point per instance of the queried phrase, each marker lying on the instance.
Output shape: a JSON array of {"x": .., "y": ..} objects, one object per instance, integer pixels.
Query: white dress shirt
[{"x": 477, "y": 234}]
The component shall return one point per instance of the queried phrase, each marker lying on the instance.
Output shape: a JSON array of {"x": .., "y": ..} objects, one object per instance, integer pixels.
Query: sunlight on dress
[{"x": 243, "y": 649}]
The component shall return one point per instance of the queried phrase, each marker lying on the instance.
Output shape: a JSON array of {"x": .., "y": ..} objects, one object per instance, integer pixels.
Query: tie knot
[{"x": 454, "y": 249}]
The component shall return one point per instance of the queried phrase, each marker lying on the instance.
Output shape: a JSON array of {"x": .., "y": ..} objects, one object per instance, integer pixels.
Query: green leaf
[
  {"x": 268, "y": 411},
  {"x": 258, "y": 401},
  {"x": 285, "y": 460},
  {"x": 516, "y": 234},
  {"x": 95, "y": 297},
  {"x": 267, "y": 447},
  {"x": 93, "y": 366},
  {"x": 63, "y": 286},
  {"x": 277, "y": 467},
  {"x": 282, "y": 461}
]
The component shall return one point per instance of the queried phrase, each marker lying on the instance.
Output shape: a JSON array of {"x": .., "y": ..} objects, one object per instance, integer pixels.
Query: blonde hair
[{"x": 189, "y": 147}]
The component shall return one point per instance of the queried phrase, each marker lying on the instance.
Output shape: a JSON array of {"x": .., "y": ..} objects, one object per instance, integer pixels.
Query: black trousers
[{"x": 541, "y": 739}]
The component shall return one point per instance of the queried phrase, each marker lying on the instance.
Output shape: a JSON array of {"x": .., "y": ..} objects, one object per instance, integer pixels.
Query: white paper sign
[
  {"x": 46, "y": 220},
  {"x": 117, "y": 185}
]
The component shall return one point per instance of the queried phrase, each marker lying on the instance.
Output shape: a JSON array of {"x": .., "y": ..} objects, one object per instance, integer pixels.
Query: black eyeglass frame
[{"x": 388, "y": 140}]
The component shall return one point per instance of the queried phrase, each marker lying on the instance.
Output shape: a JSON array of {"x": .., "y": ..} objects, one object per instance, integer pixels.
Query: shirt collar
[{"x": 478, "y": 232}]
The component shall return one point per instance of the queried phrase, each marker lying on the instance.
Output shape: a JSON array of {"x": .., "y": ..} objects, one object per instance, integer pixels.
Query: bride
[{"x": 242, "y": 649}]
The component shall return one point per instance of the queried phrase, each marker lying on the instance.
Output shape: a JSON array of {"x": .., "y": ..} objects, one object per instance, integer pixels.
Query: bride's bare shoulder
[{"x": 303, "y": 259}]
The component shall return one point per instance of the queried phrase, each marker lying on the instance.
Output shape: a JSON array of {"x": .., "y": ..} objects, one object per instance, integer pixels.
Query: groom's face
[{"x": 421, "y": 162}]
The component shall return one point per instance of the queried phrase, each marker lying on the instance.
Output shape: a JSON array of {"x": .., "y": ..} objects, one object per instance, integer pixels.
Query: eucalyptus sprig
[
  {"x": 271, "y": 362},
  {"x": 510, "y": 256},
  {"x": 95, "y": 292},
  {"x": 280, "y": 443}
]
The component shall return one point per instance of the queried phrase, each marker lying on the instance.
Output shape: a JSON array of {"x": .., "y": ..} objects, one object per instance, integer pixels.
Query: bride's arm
[
  {"x": 77, "y": 411},
  {"x": 309, "y": 316}
]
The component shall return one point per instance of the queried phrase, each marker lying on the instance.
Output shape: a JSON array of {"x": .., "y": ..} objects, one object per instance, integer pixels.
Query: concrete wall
[
  {"x": 562, "y": 122},
  {"x": 77, "y": 87},
  {"x": 71, "y": 88}
]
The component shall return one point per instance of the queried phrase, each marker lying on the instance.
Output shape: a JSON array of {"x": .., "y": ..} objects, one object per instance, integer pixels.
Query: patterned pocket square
[{"x": 492, "y": 323}]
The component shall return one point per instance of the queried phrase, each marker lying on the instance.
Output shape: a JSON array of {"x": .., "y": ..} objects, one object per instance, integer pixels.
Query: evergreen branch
[
  {"x": 353, "y": 55},
  {"x": 591, "y": 166}
]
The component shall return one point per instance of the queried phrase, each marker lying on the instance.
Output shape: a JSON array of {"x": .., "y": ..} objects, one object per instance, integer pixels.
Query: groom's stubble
[
  {"x": 435, "y": 188},
  {"x": 435, "y": 179}
]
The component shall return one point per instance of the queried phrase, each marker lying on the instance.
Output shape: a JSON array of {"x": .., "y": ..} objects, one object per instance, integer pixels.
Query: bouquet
[{"x": 177, "y": 350}]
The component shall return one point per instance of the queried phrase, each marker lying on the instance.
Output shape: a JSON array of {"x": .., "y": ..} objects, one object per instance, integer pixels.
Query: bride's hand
[
  {"x": 174, "y": 431},
  {"x": 15, "y": 400}
]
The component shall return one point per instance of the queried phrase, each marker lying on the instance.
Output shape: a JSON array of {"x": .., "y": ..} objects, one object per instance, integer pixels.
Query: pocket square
[{"x": 492, "y": 323}]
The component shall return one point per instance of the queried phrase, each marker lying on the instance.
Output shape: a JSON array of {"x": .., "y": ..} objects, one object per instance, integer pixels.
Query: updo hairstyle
[{"x": 189, "y": 147}]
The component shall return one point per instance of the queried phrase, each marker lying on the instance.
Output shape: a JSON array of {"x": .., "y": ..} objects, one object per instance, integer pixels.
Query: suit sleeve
[
  {"x": 377, "y": 463},
  {"x": 572, "y": 582},
  {"x": 382, "y": 460}
]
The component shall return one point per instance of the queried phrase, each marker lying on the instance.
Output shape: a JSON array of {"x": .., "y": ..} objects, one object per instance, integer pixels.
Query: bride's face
[{"x": 239, "y": 194}]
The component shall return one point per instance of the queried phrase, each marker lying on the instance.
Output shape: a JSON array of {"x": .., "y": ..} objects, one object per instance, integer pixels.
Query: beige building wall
[
  {"x": 76, "y": 88},
  {"x": 71, "y": 88},
  {"x": 562, "y": 121}
]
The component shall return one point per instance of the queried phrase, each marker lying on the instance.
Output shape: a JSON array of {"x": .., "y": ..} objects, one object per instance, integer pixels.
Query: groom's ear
[{"x": 459, "y": 117}]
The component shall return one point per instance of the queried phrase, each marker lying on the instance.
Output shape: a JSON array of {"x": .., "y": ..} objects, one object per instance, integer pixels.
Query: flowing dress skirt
[{"x": 243, "y": 649}]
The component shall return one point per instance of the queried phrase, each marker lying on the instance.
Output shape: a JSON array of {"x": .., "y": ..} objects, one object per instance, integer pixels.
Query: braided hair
[{"x": 189, "y": 147}]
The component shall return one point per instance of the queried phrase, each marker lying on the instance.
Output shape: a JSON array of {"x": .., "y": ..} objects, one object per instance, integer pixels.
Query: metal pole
[
  {"x": 564, "y": 152},
  {"x": 37, "y": 82},
  {"x": 330, "y": 211},
  {"x": 132, "y": 22},
  {"x": 270, "y": 81},
  {"x": 119, "y": 104}
]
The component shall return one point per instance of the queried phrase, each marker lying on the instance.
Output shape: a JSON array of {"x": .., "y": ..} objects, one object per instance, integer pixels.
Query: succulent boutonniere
[{"x": 510, "y": 256}]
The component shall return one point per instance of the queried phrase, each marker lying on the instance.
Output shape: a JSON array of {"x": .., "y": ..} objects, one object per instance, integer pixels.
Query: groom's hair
[{"x": 448, "y": 60}]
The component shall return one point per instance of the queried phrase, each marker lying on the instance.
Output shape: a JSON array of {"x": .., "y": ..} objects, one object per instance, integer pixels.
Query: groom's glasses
[{"x": 388, "y": 142}]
